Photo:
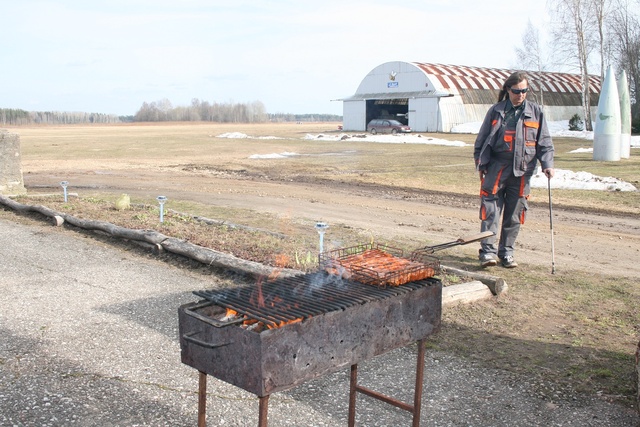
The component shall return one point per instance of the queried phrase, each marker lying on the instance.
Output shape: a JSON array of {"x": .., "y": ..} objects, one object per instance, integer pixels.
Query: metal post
[
  {"x": 64, "y": 185},
  {"x": 417, "y": 399},
  {"x": 162, "y": 200},
  {"x": 264, "y": 407},
  {"x": 322, "y": 228},
  {"x": 353, "y": 382},
  {"x": 202, "y": 399}
]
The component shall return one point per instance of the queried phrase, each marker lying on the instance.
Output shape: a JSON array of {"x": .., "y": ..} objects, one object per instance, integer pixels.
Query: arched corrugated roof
[
  {"x": 464, "y": 77},
  {"x": 479, "y": 85}
]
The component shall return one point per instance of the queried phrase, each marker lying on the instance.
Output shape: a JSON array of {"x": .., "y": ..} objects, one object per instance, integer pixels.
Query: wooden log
[
  {"x": 149, "y": 236},
  {"x": 496, "y": 284},
  {"x": 221, "y": 260},
  {"x": 56, "y": 217},
  {"x": 465, "y": 293},
  {"x": 154, "y": 248}
]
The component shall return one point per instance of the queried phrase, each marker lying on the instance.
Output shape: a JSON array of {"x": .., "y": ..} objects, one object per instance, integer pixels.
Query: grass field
[{"x": 404, "y": 165}]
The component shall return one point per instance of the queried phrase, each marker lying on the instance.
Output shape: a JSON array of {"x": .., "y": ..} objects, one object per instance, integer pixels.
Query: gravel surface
[{"x": 89, "y": 338}]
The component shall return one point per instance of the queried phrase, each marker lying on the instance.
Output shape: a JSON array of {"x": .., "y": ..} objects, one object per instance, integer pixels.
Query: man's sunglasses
[{"x": 519, "y": 91}]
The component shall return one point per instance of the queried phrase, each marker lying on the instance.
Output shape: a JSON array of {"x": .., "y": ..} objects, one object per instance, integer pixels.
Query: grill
[
  {"x": 278, "y": 334},
  {"x": 379, "y": 264}
]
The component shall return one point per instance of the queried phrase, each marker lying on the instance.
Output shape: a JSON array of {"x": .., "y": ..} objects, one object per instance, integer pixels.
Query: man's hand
[
  {"x": 549, "y": 172},
  {"x": 482, "y": 174}
]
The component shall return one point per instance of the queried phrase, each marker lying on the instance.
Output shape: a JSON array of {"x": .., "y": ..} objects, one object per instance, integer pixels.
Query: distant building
[{"x": 436, "y": 98}]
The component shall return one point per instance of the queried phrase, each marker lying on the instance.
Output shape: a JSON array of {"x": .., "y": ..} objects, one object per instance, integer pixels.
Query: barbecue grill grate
[
  {"x": 378, "y": 264},
  {"x": 300, "y": 297}
]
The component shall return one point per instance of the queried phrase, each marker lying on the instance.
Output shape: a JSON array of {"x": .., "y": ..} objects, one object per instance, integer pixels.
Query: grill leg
[
  {"x": 354, "y": 388},
  {"x": 202, "y": 399},
  {"x": 417, "y": 398},
  {"x": 353, "y": 383},
  {"x": 264, "y": 407}
]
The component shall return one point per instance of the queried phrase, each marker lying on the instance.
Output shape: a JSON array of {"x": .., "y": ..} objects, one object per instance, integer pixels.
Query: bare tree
[
  {"x": 624, "y": 31},
  {"x": 600, "y": 9},
  {"x": 530, "y": 55},
  {"x": 572, "y": 33}
]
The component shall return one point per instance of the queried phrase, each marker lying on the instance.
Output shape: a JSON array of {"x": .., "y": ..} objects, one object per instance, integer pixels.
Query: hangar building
[{"x": 436, "y": 97}]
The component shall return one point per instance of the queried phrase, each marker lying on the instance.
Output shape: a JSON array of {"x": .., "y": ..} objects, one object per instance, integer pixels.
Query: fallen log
[
  {"x": 497, "y": 285},
  {"x": 221, "y": 260},
  {"x": 56, "y": 218},
  {"x": 148, "y": 236},
  {"x": 465, "y": 293}
]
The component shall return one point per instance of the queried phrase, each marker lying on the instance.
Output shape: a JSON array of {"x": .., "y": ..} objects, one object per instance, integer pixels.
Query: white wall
[
  {"x": 354, "y": 115},
  {"x": 424, "y": 115}
]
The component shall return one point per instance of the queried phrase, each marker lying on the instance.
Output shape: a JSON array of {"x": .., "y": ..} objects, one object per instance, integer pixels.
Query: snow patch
[
  {"x": 568, "y": 180},
  {"x": 284, "y": 155}
]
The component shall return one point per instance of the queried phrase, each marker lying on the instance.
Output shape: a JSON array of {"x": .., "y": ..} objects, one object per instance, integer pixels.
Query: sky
[
  {"x": 563, "y": 179},
  {"x": 294, "y": 56}
]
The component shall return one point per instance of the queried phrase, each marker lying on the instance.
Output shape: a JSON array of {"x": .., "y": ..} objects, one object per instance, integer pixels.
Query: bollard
[
  {"x": 161, "y": 200},
  {"x": 322, "y": 228},
  {"x": 64, "y": 185}
]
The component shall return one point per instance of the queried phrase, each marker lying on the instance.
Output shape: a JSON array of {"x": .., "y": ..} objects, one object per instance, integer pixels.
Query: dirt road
[{"x": 594, "y": 242}]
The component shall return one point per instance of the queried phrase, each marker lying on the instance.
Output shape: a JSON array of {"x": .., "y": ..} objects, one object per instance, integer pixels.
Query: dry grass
[
  {"x": 416, "y": 166},
  {"x": 573, "y": 331}
]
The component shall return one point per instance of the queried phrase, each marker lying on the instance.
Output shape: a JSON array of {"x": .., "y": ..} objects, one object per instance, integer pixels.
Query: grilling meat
[{"x": 377, "y": 267}]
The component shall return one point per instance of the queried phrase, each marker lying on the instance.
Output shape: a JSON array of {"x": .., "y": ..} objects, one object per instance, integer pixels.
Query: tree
[
  {"x": 572, "y": 34},
  {"x": 530, "y": 55},
  {"x": 161, "y": 111},
  {"x": 600, "y": 9},
  {"x": 624, "y": 31}
]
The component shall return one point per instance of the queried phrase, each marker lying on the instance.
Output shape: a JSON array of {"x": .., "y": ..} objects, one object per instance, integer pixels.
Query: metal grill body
[{"x": 344, "y": 322}]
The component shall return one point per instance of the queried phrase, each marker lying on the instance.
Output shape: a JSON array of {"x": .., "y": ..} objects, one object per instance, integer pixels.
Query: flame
[
  {"x": 283, "y": 323},
  {"x": 275, "y": 301},
  {"x": 282, "y": 260},
  {"x": 274, "y": 274},
  {"x": 260, "y": 295},
  {"x": 257, "y": 298}
]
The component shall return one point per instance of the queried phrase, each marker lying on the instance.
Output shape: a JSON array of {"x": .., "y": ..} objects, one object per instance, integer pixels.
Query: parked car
[{"x": 387, "y": 126}]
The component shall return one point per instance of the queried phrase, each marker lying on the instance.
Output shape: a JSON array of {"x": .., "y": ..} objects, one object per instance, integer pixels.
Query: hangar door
[{"x": 396, "y": 109}]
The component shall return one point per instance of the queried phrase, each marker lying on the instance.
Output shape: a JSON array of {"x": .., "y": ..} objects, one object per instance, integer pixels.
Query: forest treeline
[
  {"x": 204, "y": 111},
  {"x": 18, "y": 117},
  {"x": 164, "y": 111}
]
